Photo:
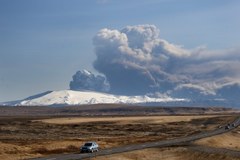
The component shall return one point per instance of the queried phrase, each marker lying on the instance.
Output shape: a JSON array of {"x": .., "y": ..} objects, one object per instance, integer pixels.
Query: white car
[{"x": 89, "y": 147}]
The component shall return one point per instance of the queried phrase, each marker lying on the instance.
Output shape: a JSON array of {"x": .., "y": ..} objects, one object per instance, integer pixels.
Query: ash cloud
[
  {"x": 136, "y": 60},
  {"x": 85, "y": 80}
]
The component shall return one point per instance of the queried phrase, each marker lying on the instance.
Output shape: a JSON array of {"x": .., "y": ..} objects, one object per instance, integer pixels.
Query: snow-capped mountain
[{"x": 69, "y": 97}]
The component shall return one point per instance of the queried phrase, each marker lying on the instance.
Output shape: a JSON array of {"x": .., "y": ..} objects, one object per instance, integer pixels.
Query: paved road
[{"x": 165, "y": 143}]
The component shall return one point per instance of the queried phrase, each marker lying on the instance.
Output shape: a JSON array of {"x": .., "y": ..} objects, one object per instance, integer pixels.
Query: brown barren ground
[
  {"x": 125, "y": 120},
  {"x": 178, "y": 153},
  {"x": 27, "y": 137},
  {"x": 230, "y": 140}
]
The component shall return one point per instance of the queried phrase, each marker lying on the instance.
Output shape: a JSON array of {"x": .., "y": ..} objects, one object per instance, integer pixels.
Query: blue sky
[{"x": 44, "y": 42}]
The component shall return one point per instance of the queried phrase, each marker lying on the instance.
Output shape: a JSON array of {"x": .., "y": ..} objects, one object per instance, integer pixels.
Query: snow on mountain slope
[{"x": 69, "y": 97}]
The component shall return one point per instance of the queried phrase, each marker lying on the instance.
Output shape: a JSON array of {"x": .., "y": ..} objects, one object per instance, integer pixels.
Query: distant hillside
[{"x": 109, "y": 110}]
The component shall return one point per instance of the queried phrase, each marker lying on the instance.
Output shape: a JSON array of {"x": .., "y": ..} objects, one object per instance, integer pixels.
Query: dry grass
[
  {"x": 179, "y": 153},
  {"x": 230, "y": 140},
  {"x": 24, "y": 138},
  {"x": 146, "y": 154},
  {"x": 16, "y": 151},
  {"x": 125, "y": 120}
]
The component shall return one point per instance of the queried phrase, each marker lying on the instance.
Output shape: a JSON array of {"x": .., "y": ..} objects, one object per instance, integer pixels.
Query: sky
[{"x": 44, "y": 43}]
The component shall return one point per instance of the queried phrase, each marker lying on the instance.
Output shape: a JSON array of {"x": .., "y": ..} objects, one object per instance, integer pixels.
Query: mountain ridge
[{"x": 70, "y": 97}]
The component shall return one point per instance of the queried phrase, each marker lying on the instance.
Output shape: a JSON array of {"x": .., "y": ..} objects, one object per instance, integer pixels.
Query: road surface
[{"x": 165, "y": 143}]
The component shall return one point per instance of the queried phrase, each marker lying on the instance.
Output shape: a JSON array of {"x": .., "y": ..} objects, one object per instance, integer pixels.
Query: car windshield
[{"x": 88, "y": 144}]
